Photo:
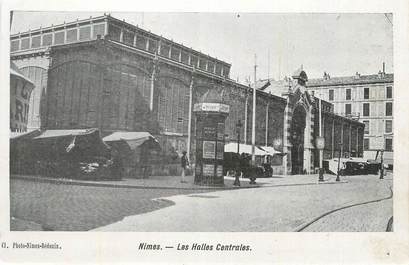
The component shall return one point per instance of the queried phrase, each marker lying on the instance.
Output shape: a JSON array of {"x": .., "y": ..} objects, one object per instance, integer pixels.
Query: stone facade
[
  {"x": 367, "y": 98},
  {"x": 115, "y": 84}
]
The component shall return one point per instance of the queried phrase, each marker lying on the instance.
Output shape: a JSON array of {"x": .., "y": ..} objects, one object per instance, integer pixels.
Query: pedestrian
[
  {"x": 117, "y": 166},
  {"x": 185, "y": 165},
  {"x": 144, "y": 161}
]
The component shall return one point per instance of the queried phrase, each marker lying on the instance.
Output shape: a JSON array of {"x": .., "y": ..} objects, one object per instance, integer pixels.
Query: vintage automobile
[
  {"x": 234, "y": 162},
  {"x": 352, "y": 166}
]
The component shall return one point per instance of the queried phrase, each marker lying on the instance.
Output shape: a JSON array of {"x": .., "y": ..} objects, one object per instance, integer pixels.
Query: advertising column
[
  {"x": 20, "y": 92},
  {"x": 209, "y": 137}
]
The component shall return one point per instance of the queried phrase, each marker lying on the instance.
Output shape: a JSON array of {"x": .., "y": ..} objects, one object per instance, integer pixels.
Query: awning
[
  {"x": 16, "y": 72},
  {"x": 63, "y": 133},
  {"x": 19, "y": 135},
  {"x": 78, "y": 142},
  {"x": 244, "y": 148},
  {"x": 133, "y": 139},
  {"x": 270, "y": 150}
]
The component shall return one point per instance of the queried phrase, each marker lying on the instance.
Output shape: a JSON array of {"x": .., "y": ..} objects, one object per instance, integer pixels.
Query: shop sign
[{"x": 212, "y": 107}]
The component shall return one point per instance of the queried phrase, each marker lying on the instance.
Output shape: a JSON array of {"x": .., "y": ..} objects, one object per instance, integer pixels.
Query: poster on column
[{"x": 209, "y": 149}]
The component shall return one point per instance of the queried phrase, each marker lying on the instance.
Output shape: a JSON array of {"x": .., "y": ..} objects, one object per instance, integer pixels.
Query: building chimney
[{"x": 383, "y": 67}]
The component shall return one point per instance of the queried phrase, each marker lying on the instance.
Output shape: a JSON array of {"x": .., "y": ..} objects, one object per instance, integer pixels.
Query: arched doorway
[{"x": 297, "y": 139}]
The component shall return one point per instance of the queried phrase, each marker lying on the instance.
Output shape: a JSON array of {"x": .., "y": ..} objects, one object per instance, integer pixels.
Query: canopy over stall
[
  {"x": 14, "y": 136},
  {"x": 78, "y": 144},
  {"x": 133, "y": 139},
  {"x": 137, "y": 151},
  {"x": 244, "y": 148}
]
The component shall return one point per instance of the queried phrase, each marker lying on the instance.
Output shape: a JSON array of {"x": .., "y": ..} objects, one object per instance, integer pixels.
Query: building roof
[
  {"x": 273, "y": 87},
  {"x": 116, "y": 22},
  {"x": 351, "y": 80}
]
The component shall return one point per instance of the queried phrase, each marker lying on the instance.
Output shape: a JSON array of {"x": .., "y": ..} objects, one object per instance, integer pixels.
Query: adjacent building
[
  {"x": 366, "y": 98},
  {"x": 108, "y": 74}
]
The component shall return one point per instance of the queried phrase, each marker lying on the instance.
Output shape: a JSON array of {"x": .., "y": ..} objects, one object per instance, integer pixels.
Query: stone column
[
  {"x": 286, "y": 134},
  {"x": 155, "y": 62},
  {"x": 189, "y": 126},
  {"x": 307, "y": 141},
  {"x": 332, "y": 138}
]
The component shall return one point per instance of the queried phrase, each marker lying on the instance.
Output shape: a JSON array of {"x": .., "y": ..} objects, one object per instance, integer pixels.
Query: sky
[{"x": 279, "y": 43}]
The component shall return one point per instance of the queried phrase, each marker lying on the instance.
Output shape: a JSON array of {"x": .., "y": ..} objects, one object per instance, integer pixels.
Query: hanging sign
[{"x": 320, "y": 143}]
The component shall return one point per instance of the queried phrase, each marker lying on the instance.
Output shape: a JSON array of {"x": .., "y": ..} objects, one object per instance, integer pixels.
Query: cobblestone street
[
  {"x": 284, "y": 204},
  {"x": 79, "y": 208},
  {"x": 284, "y": 208},
  {"x": 353, "y": 219}
]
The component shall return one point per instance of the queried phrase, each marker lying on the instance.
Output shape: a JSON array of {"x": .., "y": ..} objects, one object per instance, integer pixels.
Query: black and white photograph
[{"x": 201, "y": 122}]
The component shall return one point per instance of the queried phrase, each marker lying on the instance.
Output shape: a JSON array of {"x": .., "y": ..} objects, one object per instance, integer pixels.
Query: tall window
[
  {"x": 25, "y": 43},
  {"x": 366, "y": 93},
  {"x": 366, "y": 144},
  {"x": 388, "y": 145},
  {"x": 59, "y": 37},
  {"x": 366, "y": 109},
  {"x": 348, "y": 94},
  {"x": 331, "y": 95},
  {"x": 389, "y": 92},
  {"x": 366, "y": 127},
  {"x": 85, "y": 33},
  {"x": 72, "y": 35},
  {"x": 347, "y": 109},
  {"x": 47, "y": 39},
  {"x": 99, "y": 30},
  {"x": 388, "y": 126},
  {"x": 36, "y": 42},
  {"x": 128, "y": 37},
  {"x": 388, "y": 109}
]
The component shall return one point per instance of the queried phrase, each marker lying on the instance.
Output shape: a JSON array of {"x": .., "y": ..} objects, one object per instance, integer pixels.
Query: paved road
[
  {"x": 362, "y": 218},
  {"x": 281, "y": 209},
  {"x": 46, "y": 206}
]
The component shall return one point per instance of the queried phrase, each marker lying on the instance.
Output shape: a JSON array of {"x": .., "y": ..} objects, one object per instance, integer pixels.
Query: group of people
[{"x": 118, "y": 167}]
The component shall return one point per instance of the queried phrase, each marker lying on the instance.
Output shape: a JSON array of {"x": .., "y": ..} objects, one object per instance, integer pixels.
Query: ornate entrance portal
[
  {"x": 299, "y": 127},
  {"x": 297, "y": 135}
]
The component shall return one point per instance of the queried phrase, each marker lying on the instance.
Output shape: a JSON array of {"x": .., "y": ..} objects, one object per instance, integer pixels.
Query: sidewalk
[{"x": 173, "y": 182}]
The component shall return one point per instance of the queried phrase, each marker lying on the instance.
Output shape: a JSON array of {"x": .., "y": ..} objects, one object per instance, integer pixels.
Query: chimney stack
[{"x": 383, "y": 67}]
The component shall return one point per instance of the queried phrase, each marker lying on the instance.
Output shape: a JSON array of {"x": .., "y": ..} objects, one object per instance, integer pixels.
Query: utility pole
[
  {"x": 321, "y": 170},
  {"x": 268, "y": 65},
  {"x": 253, "y": 127}
]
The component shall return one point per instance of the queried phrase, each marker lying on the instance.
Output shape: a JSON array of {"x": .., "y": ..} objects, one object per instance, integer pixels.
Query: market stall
[
  {"x": 135, "y": 152},
  {"x": 78, "y": 153}
]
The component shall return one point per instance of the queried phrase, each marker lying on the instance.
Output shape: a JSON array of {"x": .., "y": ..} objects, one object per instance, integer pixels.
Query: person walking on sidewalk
[{"x": 184, "y": 164}]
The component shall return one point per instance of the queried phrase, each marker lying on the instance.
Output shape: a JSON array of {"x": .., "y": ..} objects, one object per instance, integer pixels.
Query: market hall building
[{"x": 108, "y": 74}]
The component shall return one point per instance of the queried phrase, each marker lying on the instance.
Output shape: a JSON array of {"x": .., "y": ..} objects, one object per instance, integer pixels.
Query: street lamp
[
  {"x": 381, "y": 173},
  {"x": 339, "y": 160},
  {"x": 238, "y": 129},
  {"x": 320, "y": 143}
]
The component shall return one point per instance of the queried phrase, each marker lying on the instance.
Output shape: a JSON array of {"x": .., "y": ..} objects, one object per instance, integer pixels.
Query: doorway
[{"x": 297, "y": 140}]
